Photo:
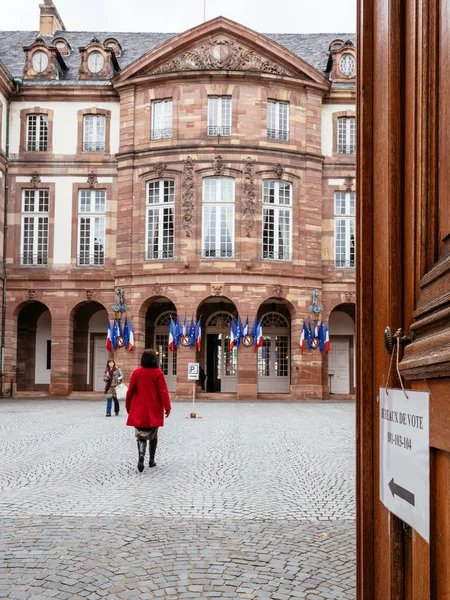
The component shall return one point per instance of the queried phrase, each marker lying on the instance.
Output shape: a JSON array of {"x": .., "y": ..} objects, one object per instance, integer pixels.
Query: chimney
[{"x": 49, "y": 21}]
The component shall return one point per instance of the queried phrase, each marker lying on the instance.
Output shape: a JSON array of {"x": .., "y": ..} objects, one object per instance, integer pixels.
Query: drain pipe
[{"x": 17, "y": 82}]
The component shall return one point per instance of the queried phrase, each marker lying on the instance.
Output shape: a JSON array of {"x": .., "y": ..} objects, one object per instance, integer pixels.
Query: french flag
[
  {"x": 171, "y": 335},
  {"x": 304, "y": 336},
  {"x": 259, "y": 336},
  {"x": 198, "y": 333},
  {"x": 327, "y": 339},
  {"x": 233, "y": 334},
  {"x": 245, "y": 332},
  {"x": 109, "y": 345},
  {"x": 184, "y": 330},
  {"x": 130, "y": 337}
]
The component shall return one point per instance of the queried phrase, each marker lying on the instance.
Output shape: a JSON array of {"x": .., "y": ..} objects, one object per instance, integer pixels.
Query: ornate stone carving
[
  {"x": 31, "y": 295},
  {"x": 220, "y": 54},
  {"x": 187, "y": 196},
  {"x": 348, "y": 182},
  {"x": 278, "y": 170},
  {"x": 349, "y": 297},
  {"x": 249, "y": 197},
  {"x": 90, "y": 295},
  {"x": 92, "y": 179},
  {"x": 218, "y": 166},
  {"x": 159, "y": 167},
  {"x": 217, "y": 289},
  {"x": 35, "y": 180},
  {"x": 277, "y": 291},
  {"x": 314, "y": 308},
  {"x": 157, "y": 289},
  {"x": 120, "y": 305}
]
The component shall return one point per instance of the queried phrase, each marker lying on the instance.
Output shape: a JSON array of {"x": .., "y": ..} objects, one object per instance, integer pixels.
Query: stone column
[{"x": 62, "y": 353}]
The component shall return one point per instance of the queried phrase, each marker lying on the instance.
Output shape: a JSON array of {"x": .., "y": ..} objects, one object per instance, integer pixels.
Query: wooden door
[
  {"x": 339, "y": 365},
  {"x": 403, "y": 276},
  {"x": 100, "y": 357}
]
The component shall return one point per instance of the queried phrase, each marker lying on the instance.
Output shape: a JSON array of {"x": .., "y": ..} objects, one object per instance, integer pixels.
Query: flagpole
[{"x": 204, "y": 11}]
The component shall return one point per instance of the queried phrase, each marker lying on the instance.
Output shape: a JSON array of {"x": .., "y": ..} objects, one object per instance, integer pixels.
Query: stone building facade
[{"x": 207, "y": 174}]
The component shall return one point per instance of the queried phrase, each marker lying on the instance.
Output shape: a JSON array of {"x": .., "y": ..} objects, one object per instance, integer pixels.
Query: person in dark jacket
[{"x": 147, "y": 404}]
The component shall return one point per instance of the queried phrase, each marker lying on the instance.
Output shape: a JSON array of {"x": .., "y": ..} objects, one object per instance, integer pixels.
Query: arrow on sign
[{"x": 401, "y": 492}]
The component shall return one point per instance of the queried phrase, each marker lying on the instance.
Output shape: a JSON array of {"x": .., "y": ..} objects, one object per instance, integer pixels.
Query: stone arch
[
  {"x": 155, "y": 314},
  {"x": 341, "y": 358},
  {"x": 34, "y": 335},
  {"x": 89, "y": 320}
]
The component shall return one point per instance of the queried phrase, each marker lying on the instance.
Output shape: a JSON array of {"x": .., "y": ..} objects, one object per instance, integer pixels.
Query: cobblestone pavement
[{"x": 248, "y": 501}]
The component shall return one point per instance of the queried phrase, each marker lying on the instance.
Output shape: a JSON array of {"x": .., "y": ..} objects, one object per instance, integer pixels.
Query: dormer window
[
  {"x": 114, "y": 45},
  {"x": 347, "y": 65},
  {"x": 62, "y": 46},
  {"x": 39, "y": 61},
  {"x": 95, "y": 62}
]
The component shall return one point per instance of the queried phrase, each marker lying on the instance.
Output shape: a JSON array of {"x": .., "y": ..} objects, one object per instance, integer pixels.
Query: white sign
[
  {"x": 193, "y": 371},
  {"x": 405, "y": 457}
]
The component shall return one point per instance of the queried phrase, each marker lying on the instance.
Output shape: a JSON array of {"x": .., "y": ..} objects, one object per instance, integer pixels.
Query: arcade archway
[
  {"x": 34, "y": 348},
  {"x": 341, "y": 358},
  {"x": 157, "y": 323}
]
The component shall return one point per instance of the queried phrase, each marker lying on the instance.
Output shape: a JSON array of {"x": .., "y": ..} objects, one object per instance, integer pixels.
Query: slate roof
[{"x": 311, "y": 47}]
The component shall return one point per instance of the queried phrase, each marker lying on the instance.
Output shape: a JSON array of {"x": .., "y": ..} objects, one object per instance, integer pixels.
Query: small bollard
[{"x": 193, "y": 415}]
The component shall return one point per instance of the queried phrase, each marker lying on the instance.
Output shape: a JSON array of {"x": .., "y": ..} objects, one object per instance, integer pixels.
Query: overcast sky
[{"x": 265, "y": 16}]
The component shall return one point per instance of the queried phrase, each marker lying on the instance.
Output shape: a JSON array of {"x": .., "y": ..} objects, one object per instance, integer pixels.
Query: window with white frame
[
  {"x": 35, "y": 221},
  {"x": 37, "y": 133},
  {"x": 277, "y": 120},
  {"x": 277, "y": 221},
  {"x": 94, "y": 133},
  {"x": 91, "y": 228},
  {"x": 219, "y": 115},
  {"x": 161, "y": 119},
  {"x": 160, "y": 227},
  {"x": 344, "y": 230},
  {"x": 218, "y": 218},
  {"x": 346, "y": 135}
]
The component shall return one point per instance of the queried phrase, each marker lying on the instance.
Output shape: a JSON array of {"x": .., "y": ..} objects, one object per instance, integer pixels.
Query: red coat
[{"x": 147, "y": 398}]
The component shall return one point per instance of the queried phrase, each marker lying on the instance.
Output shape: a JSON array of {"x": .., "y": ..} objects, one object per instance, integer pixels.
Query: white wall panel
[
  {"x": 3, "y": 139},
  {"x": 65, "y": 123}
]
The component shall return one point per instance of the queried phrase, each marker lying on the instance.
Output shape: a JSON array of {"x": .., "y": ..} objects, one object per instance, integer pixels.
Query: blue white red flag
[
  {"x": 321, "y": 337},
  {"x": 177, "y": 332},
  {"x": 259, "y": 336},
  {"x": 254, "y": 327},
  {"x": 310, "y": 336},
  {"x": 130, "y": 337},
  {"x": 192, "y": 332},
  {"x": 233, "y": 334},
  {"x": 185, "y": 330},
  {"x": 327, "y": 339},
  {"x": 303, "y": 337},
  {"x": 239, "y": 334},
  {"x": 171, "y": 335},
  {"x": 245, "y": 332},
  {"x": 198, "y": 333},
  {"x": 125, "y": 333},
  {"x": 109, "y": 345}
]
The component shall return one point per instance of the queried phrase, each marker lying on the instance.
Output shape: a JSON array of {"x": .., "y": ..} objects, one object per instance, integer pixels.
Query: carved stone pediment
[{"x": 220, "y": 54}]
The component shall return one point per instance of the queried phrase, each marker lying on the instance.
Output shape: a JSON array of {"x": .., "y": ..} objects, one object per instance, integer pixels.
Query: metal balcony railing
[
  {"x": 346, "y": 149},
  {"x": 34, "y": 260},
  {"x": 85, "y": 259},
  {"x": 93, "y": 146},
  {"x": 159, "y": 255},
  {"x": 344, "y": 264},
  {"x": 36, "y": 146},
  {"x": 277, "y": 134},
  {"x": 280, "y": 255},
  {"x": 162, "y": 134},
  {"x": 214, "y": 130},
  {"x": 217, "y": 253}
]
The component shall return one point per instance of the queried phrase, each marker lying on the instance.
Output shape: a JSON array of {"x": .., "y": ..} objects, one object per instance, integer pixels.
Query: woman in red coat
[{"x": 147, "y": 403}]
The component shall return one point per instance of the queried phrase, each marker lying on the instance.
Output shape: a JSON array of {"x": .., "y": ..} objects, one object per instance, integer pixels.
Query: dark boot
[
  {"x": 153, "y": 444},
  {"x": 142, "y": 446}
]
